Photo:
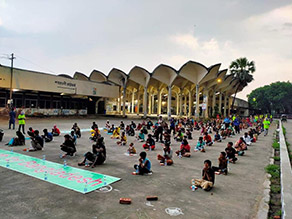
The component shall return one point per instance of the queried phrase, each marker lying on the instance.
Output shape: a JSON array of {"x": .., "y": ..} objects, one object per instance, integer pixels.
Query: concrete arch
[
  {"x": 65, "y": 76},
  {"x": 165, "y": 74},
  {"x": 118, "y": 77},
  {"x": 139, "y": 75},
  {"x": 97, "y": 76},
  {"x": 212, "y": 74},
  {"x": 80, "y": 76},
  {"x": 193, "y": 71}
]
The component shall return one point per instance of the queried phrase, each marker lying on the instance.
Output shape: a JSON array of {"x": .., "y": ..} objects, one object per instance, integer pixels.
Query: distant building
[{"x": 195, "y": 90}]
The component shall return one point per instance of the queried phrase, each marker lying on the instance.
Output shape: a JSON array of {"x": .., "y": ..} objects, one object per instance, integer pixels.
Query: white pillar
[
  {"x": 225, "y": 105},
  {"x": 145, "y": 102},
  {"x": 180, "y": 104},
  {"x": 214, "y": 103},
  {"x": 230, "y": 104},
  {"x": 206, "y": 93},
  {"x": 138, "y": 102},
  {"x": 177, "y": 104},
  {"x": 149, "y": 103},
  {"x": 119, "y": 102},
  {"x": 169, "y": 102},
  {"x": 190, "y": 103},
  {"x": 197, "y": 102},
  {"x": 220, "y": 103},
  {"x": 159, "y": 102},
  {"x": 124, "y": 101},
  {"x": 185, "y": 106},
  {"x": 152, "y": 112},
  {"x": 133, "y": 102}
]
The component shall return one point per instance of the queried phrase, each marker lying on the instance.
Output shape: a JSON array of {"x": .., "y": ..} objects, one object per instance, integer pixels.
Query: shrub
[
  {"x": 274, "y": 170},
  {"x": 276, "y": 158}
]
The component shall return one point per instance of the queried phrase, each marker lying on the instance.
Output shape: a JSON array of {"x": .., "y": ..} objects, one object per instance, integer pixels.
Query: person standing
[
  {"x": 12, "y": 116},
  {"x": 266, "y": 124},
  {"x": 21, "y": 121}
]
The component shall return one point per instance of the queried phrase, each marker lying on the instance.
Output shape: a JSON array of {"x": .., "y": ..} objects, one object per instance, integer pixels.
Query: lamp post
[{"x": 10, "y": 102}]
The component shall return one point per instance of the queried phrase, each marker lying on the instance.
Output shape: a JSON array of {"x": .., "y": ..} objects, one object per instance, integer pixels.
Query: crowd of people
[{"x": 164, "y": 132}]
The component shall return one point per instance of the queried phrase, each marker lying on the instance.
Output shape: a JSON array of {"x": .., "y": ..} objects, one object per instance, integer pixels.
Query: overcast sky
[{"x": 59, "y": 36}]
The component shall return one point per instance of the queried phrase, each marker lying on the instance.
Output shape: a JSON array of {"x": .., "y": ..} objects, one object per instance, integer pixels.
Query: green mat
[{"x": 69, "y": 177}]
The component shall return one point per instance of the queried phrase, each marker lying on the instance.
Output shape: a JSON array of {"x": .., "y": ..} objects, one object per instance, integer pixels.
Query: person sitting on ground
[
  {"x": 37, "y": 142},
  {"x": 131, "y": 149},
  {"x": 95, "y": 134},
  {"x": 144, "y": 166},
  {"x": 19, "y": 140},
  {"x": 141, "y": 136},
  {"x": 230, "y": 153},
  {"x": 207, "y": 139},
  {"x": 185, "y": 149},
  {"x": 247, "y": 139},
  {"x": 130, "y": 131},
  {"x": 217, "y": 137},
  {"x": 122, "y": 125},
  {"x": 200, "y": 145},
  {"x": 166, "y": 137},
  {"x": 123, "y": 140},
  {"x": 189, "y": 134},
  {"x": 179, "y": 136},
  {"x": 167, "y": 155},
  {"x": 94, "y": 126},
  {"x": 111, "y": 129},
  {"x": 240, "y": 146},
  {"x": 97, "y": 156},
  {"x": 68, "y": 146},
  {"x": 145, "y": 131},
  {"x": 77, "y": 130},
  {"x": 133, "y": 125},
  {"x": 150, "y": 143},
  {"x": 107, "y": 125},
  {"x": 73, "y": 137},
  {"x": 116, "y": 133},
  {"x": 208, "y": 177},
  {"x": 30, "y": 132},
  {"x": 55, "y": 131},
  {"x": 47, "y": 136},
  {"x": 139, "y": 126},
  {"x": 149, "y": 124},
  {"x": 222, "y": 168}
]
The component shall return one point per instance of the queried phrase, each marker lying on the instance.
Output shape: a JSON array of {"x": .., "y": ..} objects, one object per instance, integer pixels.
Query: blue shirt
[
  {"x": 148, "y": 166},
  {"x": 12, "y": 115}
]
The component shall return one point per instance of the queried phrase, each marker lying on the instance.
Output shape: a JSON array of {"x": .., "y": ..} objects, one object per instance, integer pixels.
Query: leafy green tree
[
  {"x": 274, "y": 97},
  {"x": 241, "y": 69}
]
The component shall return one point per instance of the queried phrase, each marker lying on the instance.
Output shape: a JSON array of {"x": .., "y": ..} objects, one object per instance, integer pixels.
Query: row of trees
[{"x": 273, "y": 98}]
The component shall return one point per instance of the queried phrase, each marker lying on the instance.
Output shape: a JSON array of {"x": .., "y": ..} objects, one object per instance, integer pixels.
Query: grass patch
[
  {"x": 276, "y": 145},
  {"x": 275, "y": 188},
  {"x": 276, "y": 158},
  {"x": 274, "y": 170}
]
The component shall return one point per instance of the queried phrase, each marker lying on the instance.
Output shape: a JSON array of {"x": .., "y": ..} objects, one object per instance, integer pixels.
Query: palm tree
[{"x": 241, "y": 69}]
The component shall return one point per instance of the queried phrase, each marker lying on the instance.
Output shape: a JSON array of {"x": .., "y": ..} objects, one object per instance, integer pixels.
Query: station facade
[{"x": 193, "y": 90}]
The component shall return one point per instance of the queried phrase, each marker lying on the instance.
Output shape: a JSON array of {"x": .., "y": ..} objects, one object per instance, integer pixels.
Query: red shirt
[
  {"x": 187, "y": 148},
  {"x": 207, "y": 138}
]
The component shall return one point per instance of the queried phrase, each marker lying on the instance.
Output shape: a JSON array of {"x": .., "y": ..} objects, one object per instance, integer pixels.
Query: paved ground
[{"x": 234, "y": 196}]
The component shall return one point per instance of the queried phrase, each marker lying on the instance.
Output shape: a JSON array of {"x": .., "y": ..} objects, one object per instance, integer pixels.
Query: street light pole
[{"x": 11, "y": 77}]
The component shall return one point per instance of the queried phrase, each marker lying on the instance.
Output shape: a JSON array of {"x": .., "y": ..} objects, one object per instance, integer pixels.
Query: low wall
[
  {"x": 286, "y": 177},
  {"x": 47, "y": 112}
]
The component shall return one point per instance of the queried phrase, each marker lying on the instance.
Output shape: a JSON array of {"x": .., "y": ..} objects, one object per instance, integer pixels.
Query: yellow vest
[{"x": 21, "y": 119}]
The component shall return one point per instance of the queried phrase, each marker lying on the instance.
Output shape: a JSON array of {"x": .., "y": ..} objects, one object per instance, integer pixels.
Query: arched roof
[
  {"x": 165, "y": 74},
  {"x": 212, "y": 73},
  {"x": 65, "y": 76},
  {"x": 139, "y": 75},
  {"x": 193, "y": 71},
  {"x": 80, "y": 76},
  {"x": 118, "y": 77},
  {"x": 97, "y": 76}
]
